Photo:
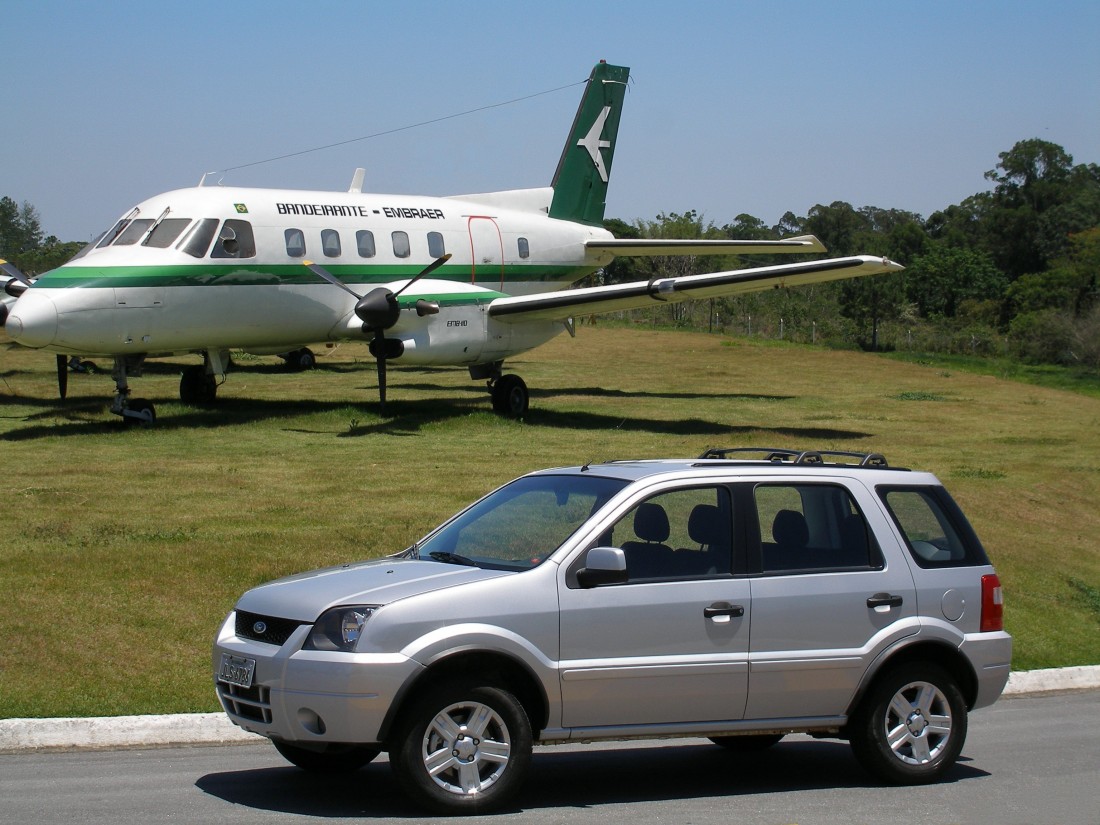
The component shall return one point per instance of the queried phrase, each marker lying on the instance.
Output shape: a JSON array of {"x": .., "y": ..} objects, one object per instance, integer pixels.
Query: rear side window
[
  {"x": 812, "y": 528},
  {"x": 935, "y": 530}
]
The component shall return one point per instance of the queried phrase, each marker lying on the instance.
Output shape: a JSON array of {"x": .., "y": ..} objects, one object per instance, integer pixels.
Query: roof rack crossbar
[{"x": 799, "y": 456}]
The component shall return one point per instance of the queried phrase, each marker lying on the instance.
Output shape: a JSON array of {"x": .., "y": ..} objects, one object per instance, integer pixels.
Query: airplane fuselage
[{"x": 219, "y": 268}]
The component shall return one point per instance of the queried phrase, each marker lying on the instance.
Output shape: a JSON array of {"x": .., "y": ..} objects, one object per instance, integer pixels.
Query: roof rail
[{"x": 783, "y": 456}]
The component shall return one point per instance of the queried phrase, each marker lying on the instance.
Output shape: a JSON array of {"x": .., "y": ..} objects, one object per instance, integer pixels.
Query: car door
[
  {"x": 669, "y": 644},
  {"x": 826, "y": 597}
]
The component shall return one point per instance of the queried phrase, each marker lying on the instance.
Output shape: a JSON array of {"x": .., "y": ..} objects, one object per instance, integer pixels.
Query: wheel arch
[
  {"x": 939, "y": 653},
  {"x": 486, "y": 668}
]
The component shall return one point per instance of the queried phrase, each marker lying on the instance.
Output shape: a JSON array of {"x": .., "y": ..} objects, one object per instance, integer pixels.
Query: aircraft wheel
[
  {"x": 300, "y": 359},
  {"x": 139, "y": 412},
  {"x": 510, "y": 396},
  {"x": 197, "y": 386}
]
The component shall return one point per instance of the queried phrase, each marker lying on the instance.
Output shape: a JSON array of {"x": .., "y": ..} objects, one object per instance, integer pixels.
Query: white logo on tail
[{"x": 593, "y": 144}]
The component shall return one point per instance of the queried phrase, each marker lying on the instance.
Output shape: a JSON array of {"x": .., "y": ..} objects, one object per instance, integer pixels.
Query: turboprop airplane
[{"x": 462, "y": 281}]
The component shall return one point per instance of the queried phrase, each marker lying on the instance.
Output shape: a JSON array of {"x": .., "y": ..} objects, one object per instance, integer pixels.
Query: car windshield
[{"x": 521, "y": 524}]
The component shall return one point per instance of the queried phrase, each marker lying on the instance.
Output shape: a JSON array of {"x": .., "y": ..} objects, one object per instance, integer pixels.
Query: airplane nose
[{"x": 32, "y": 322}]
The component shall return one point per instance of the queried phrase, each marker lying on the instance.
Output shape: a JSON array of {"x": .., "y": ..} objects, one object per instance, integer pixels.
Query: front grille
[
  {"x": 249, "y": 703},
  {"x": 275, "y": 630}
]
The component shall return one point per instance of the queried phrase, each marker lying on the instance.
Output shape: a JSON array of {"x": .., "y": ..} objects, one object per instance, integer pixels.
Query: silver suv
[{"x": 740, "y": 596}]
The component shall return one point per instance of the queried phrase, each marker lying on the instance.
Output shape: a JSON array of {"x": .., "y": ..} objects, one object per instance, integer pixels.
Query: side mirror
[{"x": 603, "y": 565}]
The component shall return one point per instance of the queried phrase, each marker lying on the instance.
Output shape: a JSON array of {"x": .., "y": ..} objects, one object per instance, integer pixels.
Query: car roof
[{"x": 749, "y": 460}]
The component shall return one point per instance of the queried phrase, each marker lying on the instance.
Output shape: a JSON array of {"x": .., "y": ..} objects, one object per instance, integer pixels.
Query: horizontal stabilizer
[
  {"x": 633, "y": 247},
  {"x": 552, "y": 306}
]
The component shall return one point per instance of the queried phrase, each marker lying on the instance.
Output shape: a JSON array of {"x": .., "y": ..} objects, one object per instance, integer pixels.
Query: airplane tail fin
[{"x": 580, "y": 182}]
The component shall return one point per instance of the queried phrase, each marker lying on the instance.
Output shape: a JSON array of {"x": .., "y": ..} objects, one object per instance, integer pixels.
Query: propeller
[
  {"x": 16, "y": 285},
  {"x": 379, "y": 310}
]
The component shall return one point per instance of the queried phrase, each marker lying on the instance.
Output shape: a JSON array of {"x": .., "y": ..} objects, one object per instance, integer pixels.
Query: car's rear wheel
[
  {"x": 463, "y": 749},
  {"x": 911, "y": 726},
  {"x": 749, "y": 743}
]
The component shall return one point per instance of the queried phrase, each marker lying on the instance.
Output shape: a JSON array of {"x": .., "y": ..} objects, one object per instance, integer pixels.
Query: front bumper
[{"x": 308, "y": 696}]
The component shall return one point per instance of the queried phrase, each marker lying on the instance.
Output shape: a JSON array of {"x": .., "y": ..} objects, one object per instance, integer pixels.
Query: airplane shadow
[
  {"x": 404, "y": 417},
  {"x": 577, "y": 780}
]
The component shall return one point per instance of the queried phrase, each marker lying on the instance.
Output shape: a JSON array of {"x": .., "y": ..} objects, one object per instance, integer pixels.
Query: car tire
[
  {"x": 336, "y": 759},
  {"x": 750, "y": 743},
  {"x": 463, "y": 749},
  {"x": 910, "y": 728}
]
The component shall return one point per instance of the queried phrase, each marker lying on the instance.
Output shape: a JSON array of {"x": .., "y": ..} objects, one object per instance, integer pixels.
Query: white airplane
[{"x": 463, "y": 281}]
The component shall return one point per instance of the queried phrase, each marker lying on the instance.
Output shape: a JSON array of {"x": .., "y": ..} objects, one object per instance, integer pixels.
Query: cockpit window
[
  {"x": 115, "y": 231},
  {"x": 197, "y": 241},
  {"x": 134, "y": 232},
  {"x": 235, "y": 240},
  {"x": 165, "y": 233}
]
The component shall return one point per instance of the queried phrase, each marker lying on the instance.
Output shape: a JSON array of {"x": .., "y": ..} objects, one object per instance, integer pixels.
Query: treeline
[{"x": 1011, "y": 271}]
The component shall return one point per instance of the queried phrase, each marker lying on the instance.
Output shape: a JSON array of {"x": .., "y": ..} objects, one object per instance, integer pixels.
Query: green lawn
[{"x": 124, "y": 548}]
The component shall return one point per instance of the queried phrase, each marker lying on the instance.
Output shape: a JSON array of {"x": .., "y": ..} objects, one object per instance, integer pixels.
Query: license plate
[{"x": 236, "y": 670}]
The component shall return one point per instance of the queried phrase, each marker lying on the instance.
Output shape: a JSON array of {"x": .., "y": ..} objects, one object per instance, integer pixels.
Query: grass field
[{"x": 124, "y": 548}]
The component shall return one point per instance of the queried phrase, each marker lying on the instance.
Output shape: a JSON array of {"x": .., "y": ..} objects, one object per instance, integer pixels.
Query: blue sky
[{"x": 734, "y": 107}]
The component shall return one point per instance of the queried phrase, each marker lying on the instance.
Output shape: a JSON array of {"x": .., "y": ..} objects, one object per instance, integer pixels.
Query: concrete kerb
[{"x": 111, "y": 732}]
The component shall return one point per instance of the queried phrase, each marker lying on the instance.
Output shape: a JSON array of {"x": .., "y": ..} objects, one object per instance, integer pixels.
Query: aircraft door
[{"x": 487, "y": 253}]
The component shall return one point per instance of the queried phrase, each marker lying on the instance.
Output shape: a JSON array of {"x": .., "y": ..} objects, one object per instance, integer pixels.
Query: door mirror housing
[{"x": 603, "y": 565}]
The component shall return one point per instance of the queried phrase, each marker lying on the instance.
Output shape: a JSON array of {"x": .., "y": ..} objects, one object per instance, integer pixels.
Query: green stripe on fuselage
[{"x": 287, "y": 274}]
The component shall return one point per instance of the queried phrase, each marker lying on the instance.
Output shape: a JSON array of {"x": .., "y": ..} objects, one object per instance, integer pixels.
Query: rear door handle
[
  {"x": 723, "y": 609},
  {"x": 884, "y": 600}
]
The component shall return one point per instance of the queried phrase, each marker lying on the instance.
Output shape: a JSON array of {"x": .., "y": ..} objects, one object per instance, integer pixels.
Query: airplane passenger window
[
  {"x": 401, "y": 246},
  {"x": 132, "y": 234},
  {"x": 165, "y": 233},
  {"x": 330, "y": 243},
  {"x": 524, "y": 248},
  {"x": 364, "y": 242},
  {"x": 295, "y": 243},
  {"x": 435, "y": 245},
  {"x": 197, "y": 241},
  {"x": 235, "y": 241}
]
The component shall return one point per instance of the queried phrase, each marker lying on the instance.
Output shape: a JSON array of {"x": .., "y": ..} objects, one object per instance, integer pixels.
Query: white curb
[{"x": 107, "y": 732}]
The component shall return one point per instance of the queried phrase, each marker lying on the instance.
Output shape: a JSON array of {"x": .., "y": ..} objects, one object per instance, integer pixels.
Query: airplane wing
[
  {"x": 557, "y": 306},
  {"x": 633, "y": 247}
]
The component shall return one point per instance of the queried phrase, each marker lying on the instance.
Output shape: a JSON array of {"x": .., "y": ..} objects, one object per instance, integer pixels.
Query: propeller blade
[
  {"x": 430, "y": 268},
  {"x": 62, "y": 376},
  {"x": 11, "y": 270},
  {"x": 321, "y": 272}
]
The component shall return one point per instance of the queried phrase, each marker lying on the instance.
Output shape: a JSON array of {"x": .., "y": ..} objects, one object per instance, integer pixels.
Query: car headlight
[{"x": 339, "y": 628}]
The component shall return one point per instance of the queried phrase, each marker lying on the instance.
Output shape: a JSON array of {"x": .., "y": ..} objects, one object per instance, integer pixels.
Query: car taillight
[{"x": 993, "y": 604}]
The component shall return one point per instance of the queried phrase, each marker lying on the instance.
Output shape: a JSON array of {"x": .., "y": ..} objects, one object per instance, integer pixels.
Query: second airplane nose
[{"x": 33, "y": 320}]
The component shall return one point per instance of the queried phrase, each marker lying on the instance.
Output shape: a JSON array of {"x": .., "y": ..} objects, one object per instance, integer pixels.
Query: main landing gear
[{"x": 509, "y": 392}]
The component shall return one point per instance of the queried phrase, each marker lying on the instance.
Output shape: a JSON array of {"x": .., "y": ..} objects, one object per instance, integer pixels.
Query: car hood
[{"x": 305, "y": 596}]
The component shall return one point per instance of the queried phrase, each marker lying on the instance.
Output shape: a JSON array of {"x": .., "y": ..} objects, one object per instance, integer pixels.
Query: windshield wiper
[{"x": 452, "y": 558}]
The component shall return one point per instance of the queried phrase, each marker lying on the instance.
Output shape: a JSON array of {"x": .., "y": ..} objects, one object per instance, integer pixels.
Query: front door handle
[
  {"x": 723, "y": 609},
  {"x": 884, "y": 600}
]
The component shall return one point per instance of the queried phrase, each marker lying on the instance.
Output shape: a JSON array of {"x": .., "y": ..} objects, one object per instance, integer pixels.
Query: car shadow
[{"x": 574, "y": 779}]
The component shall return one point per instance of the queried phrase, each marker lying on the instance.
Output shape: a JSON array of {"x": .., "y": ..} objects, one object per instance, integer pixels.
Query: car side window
[
  {"x": 812, "y": 528},
  {"x": 678, "y": 534},
  {"x": 935, "y": 530}
]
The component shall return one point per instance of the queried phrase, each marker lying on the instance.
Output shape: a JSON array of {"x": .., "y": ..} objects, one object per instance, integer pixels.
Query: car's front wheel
[
  {"x": 463, "y": 749},
  {"x": 911, "y": 726}
]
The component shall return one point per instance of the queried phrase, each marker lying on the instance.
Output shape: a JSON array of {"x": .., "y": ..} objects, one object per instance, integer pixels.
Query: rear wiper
[{"x": 452, "y": 558}]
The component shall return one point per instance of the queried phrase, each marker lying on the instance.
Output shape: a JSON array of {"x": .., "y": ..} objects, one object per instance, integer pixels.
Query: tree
[
  {"x": 945, "y": 276},
  {"x": 20, "y": 229}
]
